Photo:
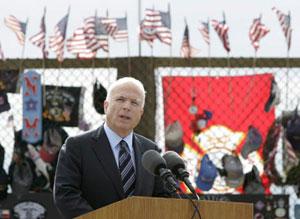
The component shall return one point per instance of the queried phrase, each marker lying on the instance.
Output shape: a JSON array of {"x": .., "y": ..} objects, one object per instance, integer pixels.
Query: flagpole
[
  {"x": 230, "y": 80},
  {"x": 22, "y": 58},
  {"x": 128, "y": 50},
  {"x": 139, "y": 23},
  {"x": 60, "y": 62},
  {"x": 44, "y": 62},
  {"x": 287, "y": 78},
  {"x": 108, "y": 44},
  {"x": 95, "y": 57},
  {"x": 251, "y": 80}
]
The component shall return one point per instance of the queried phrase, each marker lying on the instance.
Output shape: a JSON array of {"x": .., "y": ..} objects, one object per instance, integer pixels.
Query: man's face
[{"x": 124, "y": 109}]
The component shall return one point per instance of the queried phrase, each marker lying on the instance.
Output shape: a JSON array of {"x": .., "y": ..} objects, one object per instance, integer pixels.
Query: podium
[{"x": 168, "y": 208}]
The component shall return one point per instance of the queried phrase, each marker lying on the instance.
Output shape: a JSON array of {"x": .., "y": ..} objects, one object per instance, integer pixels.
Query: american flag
[
  {"x": 101, "y": 34},
  {"x": 222, "y": 30},
  {"x": 88, "y": 39},
  {"x": 117, "y": 28},
  {"x": 156, "y": 25},
  {"x": 39, "y": 39},
  {"x": 2, "y": 57},
  {"x": 164, "y": 31},
  {"x": 257, "y": 31},
  {"x": 204, "y": 30},
  {"x": 187, "y": 51},
  {"x": 122, "y": 33},
  {"x": 18, "y": 27},
  {"x": 110, "y": 25},
  {"x": 285, "y": 23},
  {"x": 81, "y": 44},
  {"x": 56, "y": 42}
]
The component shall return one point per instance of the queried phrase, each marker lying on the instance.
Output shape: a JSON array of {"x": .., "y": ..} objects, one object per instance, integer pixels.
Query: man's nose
[{"x": 126, "y": 105}]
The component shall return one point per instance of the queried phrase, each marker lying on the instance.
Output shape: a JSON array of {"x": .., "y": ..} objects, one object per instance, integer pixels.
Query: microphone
[
  {"x": 156, "y": 165},
  {"x": 177, "y": 166}
]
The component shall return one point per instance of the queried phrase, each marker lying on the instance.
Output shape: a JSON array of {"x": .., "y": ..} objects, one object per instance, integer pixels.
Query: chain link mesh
[{"x": 152, "y": 72}]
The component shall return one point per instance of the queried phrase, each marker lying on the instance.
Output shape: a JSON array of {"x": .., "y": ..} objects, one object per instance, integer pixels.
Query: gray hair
[{"x": 127, "y": 80}]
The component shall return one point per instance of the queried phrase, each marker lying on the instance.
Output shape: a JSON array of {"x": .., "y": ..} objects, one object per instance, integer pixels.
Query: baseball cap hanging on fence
[
  {"x": 3, "y": 175},
  {"x": 253, "y": 141},
  {"x": 99, "y": 96},
  {"x": 207, "y": 174},
  {"x": 293, "y": 130},
  {"x": 4, "y": 104},
  {"x": 200, "y": 121},
  {"x": 252, "y": 183},
  {"x": 173, "y": 137},
  {"x": 53, "y": 139},
  {"x": 234, "y": 171},
  {"x": 22, "y": 178},
  {"x": 274, "y": 98}
]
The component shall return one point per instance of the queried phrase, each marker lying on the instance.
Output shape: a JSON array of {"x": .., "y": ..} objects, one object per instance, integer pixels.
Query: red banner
[{"x": 215, "y": 114}]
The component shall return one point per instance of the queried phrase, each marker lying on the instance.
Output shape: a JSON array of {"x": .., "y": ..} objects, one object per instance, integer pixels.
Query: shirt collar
[{"x": 114, "y": 139}]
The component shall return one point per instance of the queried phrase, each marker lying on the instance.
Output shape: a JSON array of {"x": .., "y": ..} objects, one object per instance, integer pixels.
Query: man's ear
[{"x": 105, "y": 105}]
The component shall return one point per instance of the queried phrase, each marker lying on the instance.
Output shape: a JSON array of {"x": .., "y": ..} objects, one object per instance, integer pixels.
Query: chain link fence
[{"x": 193, "y": 106}]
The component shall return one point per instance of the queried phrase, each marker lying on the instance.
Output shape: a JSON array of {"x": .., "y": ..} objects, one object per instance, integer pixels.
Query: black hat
[
  {"x": 3, "y": 175},
  {"x": 53, "y": 139},
  {"x": 174, "y": 137},
  {"x": 293, "y": 130},
  {"x": 234, "y": 170},
  {"x": 274, "y": 98},
  {"x": 4, "y": 104},
  {"x": 252, "y": 183},
  {"x": 99, "y": 96},
  {"x": 253, "y": 141}
]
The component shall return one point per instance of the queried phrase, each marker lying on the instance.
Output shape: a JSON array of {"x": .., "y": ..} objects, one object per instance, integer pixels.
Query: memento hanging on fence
[
  {"x": 99, "y": 96},
  {"x": 4, "y": 104},
  {"x": 63, "y": 105},
  {"x": 9, "y": 80},
  {"x": 32, "y": 107}
]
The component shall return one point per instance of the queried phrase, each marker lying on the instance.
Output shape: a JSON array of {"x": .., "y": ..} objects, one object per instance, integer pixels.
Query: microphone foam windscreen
[
  {"x": 173, "y": 160},
  {"x": 152, "y": 162}
]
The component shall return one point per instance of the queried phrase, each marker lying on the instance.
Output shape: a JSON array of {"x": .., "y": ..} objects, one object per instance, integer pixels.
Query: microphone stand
[{"x": 170, "y": 184}]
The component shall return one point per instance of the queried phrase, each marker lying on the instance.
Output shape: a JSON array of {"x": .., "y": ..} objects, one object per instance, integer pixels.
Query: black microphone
[
  {"x": 177, "y": 166},
  {"x": 154, "y": 163}
]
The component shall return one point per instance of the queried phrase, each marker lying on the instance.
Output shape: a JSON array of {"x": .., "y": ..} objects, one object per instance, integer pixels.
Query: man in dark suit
[{"x": 103, "y": 166}]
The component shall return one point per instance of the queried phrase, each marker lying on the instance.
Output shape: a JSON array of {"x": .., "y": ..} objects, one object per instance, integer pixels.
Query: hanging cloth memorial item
[
  {"x": 4, "y": 104},
  {"x": 63, "y": 105},
  {"x": 9, "y": 80},
  {"x": 99, "y": 96},
  {"x": 32, "y": 107}
]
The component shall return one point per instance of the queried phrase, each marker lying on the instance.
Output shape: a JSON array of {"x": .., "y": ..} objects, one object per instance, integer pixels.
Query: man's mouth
[{"x": 124, "y": 117}]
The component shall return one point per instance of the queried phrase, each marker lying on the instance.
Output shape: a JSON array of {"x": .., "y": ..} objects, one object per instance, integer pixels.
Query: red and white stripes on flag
[
  {"x": 100, "y": 33},
  {"x": 204, "y": 30},
  {"x": 57, "y": 41},
  {"x": 156, "y": 25},
  {"x": 257, "y": 31},
  {"x": 39, "y": 39},
  {"x": 18, "y": 27},
  {"x": 81, "y": 44},
  {"x": 2, "y": 57},
  {"x": 222, "y": 30},
  {"x": 110, "y": 25},
  {"x": 88, "y": 39},
  {"x": 116, "y": 28},
  {"x": 187, "y": 51},
  {"x": 285, "y": 23}
]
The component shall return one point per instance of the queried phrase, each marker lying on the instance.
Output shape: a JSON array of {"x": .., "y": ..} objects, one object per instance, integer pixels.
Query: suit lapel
[
  {"x": 140, "y": 177},
  {"x": 105, "y": 156}
]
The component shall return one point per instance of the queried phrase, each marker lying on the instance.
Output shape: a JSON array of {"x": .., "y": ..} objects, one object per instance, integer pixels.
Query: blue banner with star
[{"x": 32, "y": 107}]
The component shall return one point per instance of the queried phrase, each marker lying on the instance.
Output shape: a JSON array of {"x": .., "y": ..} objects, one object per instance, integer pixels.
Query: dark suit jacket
[{"x": 87, "y": 176}]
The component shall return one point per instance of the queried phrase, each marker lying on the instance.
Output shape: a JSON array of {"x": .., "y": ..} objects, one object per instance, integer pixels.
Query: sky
[{"x": 239, "y": 17}]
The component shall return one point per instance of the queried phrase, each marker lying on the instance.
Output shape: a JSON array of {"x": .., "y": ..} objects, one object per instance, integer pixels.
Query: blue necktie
[{"x": 126, "y": 169}]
